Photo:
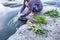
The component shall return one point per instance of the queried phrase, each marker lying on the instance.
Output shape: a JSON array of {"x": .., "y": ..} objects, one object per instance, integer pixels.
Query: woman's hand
[
  {"x": 17, "y": 17},
  {"x": 19, "y": 14}
]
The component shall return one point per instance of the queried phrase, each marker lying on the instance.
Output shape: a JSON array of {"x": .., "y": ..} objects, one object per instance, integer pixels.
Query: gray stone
[{"x": 52, "y": 30}]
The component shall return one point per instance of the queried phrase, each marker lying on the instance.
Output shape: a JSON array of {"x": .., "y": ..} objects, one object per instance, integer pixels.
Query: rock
[
  {"x": 24, "y": 34},
  {"x": 52, "y": 29},
  {"x": 52, "y": 32}
]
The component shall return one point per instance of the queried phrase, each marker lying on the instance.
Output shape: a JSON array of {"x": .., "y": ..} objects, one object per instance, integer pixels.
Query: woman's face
[{"x": 26, "y": 3}]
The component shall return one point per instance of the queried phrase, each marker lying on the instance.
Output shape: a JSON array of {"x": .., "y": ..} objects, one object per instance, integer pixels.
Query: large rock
[{"x": 52, "y": 30}]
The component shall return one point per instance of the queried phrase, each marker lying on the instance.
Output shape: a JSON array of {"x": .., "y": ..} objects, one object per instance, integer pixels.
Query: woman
[{"x": 32, "y": 5}]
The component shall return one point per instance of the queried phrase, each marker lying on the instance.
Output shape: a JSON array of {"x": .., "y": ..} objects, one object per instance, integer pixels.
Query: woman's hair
[{"x": 27, "y": 0}]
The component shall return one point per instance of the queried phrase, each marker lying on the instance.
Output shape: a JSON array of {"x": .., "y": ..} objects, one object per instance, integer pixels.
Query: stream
[{"x": 8, "y": 13}]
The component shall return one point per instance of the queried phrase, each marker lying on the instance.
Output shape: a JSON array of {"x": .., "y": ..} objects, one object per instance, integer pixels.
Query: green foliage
[
  {"x": 53, "y": 13},
  {"x": 36, "y": 29},
  {"x": 40, "y": 19}
]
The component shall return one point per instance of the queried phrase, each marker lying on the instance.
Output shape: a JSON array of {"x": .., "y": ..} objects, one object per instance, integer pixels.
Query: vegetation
[
  {"x": 40, "y": 19},
  {"x": 53, "y": 13},
  {"x": 36, "y": 29}
]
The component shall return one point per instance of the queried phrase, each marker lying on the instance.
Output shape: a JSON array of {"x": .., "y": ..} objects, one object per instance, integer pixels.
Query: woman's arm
[
  {"x": 30, "y": 7},
  {"x": 23, "y": 6},
  {"x": 28, "y": 12}
]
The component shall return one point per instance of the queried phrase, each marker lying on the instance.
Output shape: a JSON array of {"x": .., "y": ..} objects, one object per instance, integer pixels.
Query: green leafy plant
[
  {"x": 53, "y": 13},
  {"x": 36, "y": 29},
  {"x": 40, "y": 19}
]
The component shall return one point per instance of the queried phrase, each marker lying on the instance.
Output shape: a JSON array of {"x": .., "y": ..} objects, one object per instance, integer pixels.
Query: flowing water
[{"x": 7, "y": 14}]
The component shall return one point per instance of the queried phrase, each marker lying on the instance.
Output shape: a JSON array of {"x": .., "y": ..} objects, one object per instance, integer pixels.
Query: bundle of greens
[
  {"x": 36, "y": 29},
  {"x": 52, "y": 13},
  {"x": 40, "y": 19}
]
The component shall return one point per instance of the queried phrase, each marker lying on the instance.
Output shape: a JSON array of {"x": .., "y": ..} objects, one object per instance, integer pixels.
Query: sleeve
[
  {"x": 29, "y": 9},
  {"x": 23, "y": 7}
]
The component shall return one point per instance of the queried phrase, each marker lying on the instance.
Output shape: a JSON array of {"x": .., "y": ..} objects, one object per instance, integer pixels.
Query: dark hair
[{"x": 27, "y": 0}]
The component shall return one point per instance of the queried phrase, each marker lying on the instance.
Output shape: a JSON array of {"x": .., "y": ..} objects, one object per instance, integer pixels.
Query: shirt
[{"x": 31, "y": 4}]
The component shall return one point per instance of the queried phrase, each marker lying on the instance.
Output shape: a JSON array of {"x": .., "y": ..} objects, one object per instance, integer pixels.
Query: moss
[
  {"x": 40, "y": 19},
  {"x": 52, "y": 13}
]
